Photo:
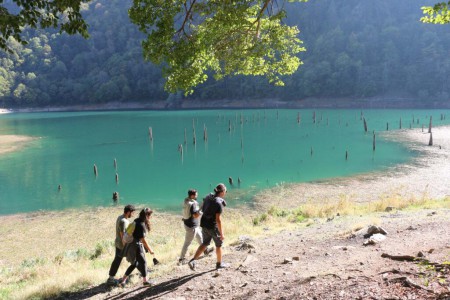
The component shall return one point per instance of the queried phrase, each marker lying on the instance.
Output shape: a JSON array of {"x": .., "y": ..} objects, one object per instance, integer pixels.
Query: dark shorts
[{"x": 213, "y": 234}]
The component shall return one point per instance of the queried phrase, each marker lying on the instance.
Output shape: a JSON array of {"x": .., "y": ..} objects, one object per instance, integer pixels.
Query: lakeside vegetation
[
  {"x": 63, "y": 252},
  {"x": 354, "y": 49}
]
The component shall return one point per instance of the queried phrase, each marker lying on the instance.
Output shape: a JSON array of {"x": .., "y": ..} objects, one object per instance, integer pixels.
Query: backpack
[{"x": 128, "y": 234}]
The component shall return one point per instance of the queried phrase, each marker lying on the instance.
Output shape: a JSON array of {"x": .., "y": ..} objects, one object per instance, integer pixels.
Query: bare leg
[
  {"x": 219, "y": 254},
  {"x": 199, "y": 251}
]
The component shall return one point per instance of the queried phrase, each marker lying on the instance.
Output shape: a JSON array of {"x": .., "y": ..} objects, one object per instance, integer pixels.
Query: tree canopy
[
  {"x": 195, "y": 38},
  {"x": 191, "y": 39},
  {"x": 437, "y": 14},
  {"x": 62, "y": 14}
]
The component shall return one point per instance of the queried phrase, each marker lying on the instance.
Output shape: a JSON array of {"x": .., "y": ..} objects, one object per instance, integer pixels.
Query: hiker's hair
[
  {"x": 143, "y": 217},
  {"x": 220, "y": 188},
  {"x": 192, "y": 192},
  {"x": 129, "y": 208}
]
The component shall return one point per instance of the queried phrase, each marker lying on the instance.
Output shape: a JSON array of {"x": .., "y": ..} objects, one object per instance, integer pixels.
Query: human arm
[
  {"x": 219, "y": 225},
  {"x": 146, "y": 245},
  {"x": 122, "y": 228},
  {"x": 195, "y": 211}
]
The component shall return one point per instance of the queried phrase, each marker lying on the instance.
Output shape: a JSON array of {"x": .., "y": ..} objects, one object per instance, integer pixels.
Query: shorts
[{"x": 213, "y": 234}]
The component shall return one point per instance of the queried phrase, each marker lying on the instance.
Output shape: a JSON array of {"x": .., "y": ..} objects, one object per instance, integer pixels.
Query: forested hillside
[{"x": 355, "y": 48}]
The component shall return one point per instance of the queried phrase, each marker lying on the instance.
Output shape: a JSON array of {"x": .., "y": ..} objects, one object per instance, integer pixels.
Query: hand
[
  {"x": 222, "y": 237},
  {"x": 152, "y": 253}
]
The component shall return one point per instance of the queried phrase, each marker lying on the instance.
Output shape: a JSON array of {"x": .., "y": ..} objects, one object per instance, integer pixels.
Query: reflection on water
[{"x": 261, "y": 148}]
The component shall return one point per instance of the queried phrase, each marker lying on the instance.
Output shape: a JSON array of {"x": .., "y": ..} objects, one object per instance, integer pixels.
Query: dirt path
[{"x": 322, "y": 261}]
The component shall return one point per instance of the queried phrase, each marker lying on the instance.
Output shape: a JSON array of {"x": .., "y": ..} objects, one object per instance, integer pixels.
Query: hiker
[
  {"x": 135, "y": 251},
  {"x": 211, "y": 223},
  {"x": 191, "y": 220},
  {"x": 121, "y": 225}
]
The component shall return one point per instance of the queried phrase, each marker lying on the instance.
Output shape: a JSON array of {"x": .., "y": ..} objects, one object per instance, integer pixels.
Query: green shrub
[
  {"x": 260, "y": 219},
  {"x": 277, "y": 212},
  {"x": 32, "y": 262},
  {"x": 100, "y": 248}
]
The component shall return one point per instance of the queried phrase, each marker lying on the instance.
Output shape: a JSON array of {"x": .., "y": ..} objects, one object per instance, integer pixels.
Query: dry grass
[{"x": 68, "y": 251}]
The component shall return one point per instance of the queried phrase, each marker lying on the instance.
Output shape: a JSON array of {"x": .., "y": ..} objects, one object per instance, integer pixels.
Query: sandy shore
[
  {"x": 427, "y": 175},
  {"x": 11, "y": 143}
]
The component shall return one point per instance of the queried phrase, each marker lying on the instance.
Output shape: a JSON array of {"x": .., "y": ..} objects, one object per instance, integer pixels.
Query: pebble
[{"x": 287, "y": 261}]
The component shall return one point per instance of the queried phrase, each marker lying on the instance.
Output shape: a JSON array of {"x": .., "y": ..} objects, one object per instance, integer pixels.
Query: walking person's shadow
[
  {"x": 159, "y": 289},
  {"x": 140, "y": 292}
]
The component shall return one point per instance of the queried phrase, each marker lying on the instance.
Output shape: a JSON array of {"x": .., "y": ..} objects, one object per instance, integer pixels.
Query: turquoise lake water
[{"x": 263, "y": 148}]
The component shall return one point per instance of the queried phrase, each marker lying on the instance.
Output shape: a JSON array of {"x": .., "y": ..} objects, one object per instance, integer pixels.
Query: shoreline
[
  {"x": 379, "y": 102},
  {"x": 426, "y": 175}
]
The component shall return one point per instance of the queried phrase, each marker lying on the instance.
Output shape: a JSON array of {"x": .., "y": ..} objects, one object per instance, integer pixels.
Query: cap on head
[{"x": 129, "y": 208}]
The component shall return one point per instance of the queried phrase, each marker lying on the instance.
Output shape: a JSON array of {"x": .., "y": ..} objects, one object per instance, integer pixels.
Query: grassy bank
[{"x": 46, "y": 254}]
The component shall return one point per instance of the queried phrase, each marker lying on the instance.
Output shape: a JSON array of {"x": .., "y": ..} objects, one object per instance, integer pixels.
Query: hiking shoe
[
  {"x": 147, "y": 283},
  {"x": 122, "y": 283},
  {"x": 112, "y": 282},
  {"x": 221, "y": 265},
  {"x": 191, "y": 265},
  {"x": 208, "y": 251},
  {"x": 182, "y": 261}
]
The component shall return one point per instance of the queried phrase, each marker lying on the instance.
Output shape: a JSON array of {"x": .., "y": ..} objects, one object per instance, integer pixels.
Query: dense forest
[{"x": 355, "y": 48}]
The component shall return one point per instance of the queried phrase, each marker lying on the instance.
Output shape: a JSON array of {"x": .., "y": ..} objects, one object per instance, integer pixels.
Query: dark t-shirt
[
  {"x": 211, "y": 206},
  {"x": 193, "y": 222},
  {"x": 139, "y": 230}
]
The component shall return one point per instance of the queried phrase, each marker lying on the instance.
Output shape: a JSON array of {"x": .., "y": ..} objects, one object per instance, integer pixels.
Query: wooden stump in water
[
  {"x": 150, "y": 133},
  {"x": 374, "y": 142},
  {"x": 430, "y": 143},
  {"x": 115, "y": 196},
  {"x": 431, "y": 124}
]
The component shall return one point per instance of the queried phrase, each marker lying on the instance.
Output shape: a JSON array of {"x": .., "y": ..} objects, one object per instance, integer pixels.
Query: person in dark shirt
[
  {"x": 211, "y": 223},
  {"x": 135, "y": 251}
]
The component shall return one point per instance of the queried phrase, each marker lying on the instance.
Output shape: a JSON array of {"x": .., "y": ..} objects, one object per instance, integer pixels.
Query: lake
[{"x": 259, "y": 148}]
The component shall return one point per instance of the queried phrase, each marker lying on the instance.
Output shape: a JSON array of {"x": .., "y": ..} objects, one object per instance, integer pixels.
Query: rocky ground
[{"x": 326, "y": 260}]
